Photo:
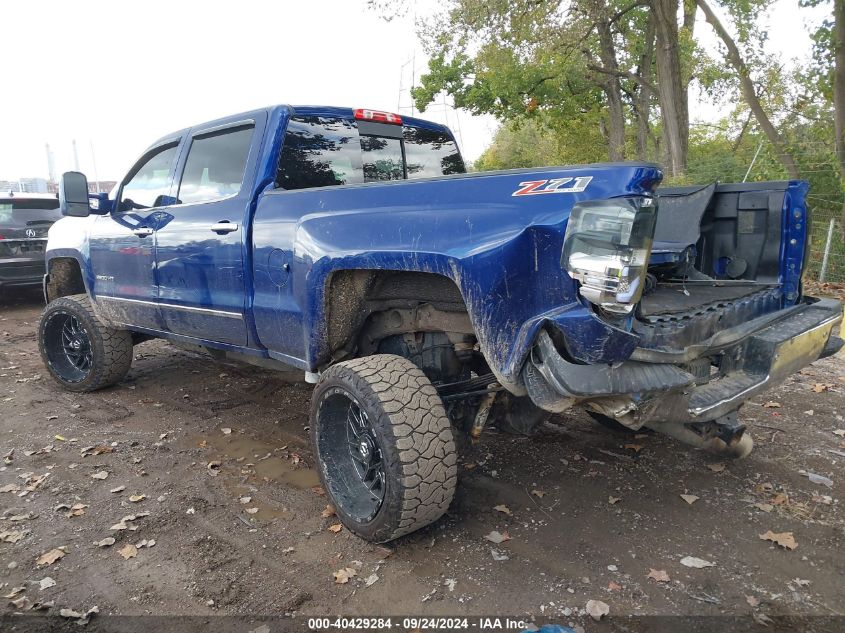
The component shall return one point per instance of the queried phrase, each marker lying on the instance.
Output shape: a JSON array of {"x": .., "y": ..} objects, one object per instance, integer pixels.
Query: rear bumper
[
  {"x": 20, "y": 271},
  {"x": 638, "y": 393}
]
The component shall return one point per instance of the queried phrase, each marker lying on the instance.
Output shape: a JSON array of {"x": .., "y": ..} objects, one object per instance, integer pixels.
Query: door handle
[
  {"x": 224, "y": 226},
  {"x": 143, "y": 231}
]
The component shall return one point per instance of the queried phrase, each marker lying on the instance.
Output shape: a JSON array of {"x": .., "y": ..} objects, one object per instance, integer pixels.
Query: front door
[
  {"x": 123, "y": 242},
  {"x": 200, "y": 241}
]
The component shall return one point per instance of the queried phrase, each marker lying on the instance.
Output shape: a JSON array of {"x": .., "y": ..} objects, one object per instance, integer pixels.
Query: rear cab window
[{"x": 321, "y": 151}]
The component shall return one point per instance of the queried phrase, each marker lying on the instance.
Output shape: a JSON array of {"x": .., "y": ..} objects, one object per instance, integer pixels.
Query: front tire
[
  {"x": 384, "y": 445},
  {"x": 80, "y": 352}
]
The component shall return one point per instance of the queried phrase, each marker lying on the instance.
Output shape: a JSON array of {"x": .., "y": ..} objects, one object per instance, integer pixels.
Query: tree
[{"x": 748, "y": 91}]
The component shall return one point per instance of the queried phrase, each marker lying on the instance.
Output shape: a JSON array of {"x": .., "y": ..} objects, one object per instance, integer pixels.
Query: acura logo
[{"x": 30, "y": 232}]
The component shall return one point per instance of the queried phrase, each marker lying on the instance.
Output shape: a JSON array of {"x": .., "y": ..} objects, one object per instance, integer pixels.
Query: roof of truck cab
[{"x": 307, "y": 110}]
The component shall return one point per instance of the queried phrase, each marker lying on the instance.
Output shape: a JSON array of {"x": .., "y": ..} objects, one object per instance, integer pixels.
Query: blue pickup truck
[{"x": 425, "y": 302}]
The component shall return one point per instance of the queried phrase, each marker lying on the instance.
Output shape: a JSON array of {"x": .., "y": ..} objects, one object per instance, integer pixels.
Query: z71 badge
[{"x": 555, "y": 185}]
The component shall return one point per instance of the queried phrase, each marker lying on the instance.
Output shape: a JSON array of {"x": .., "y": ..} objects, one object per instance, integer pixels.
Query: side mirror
[{"x": 73, "y": 195}]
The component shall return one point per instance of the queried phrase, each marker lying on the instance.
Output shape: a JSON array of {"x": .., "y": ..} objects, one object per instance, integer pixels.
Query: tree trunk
[
  {"x": 642, "y": 102},
  {"x": 748, "y": 92},
  {"x": 672, "y": 89},
  {"x": 613, "y": 90},
  {"x": 839, "y": 88}
]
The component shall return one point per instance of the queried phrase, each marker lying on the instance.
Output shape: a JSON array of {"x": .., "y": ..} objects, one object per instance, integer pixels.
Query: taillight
[
  {"x": 378, "y": 116},
  {"x": 606, "y": 248}
]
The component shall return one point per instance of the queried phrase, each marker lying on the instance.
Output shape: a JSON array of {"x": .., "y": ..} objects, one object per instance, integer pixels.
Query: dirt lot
[{"x": 590, "y": 513}]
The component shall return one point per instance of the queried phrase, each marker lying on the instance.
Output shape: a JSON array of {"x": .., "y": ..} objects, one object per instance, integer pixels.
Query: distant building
[
  {"x": 34, "y": 185},
  {"x": 105, "y": 186}
]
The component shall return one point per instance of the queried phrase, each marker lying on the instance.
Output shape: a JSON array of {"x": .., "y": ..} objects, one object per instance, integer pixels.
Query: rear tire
[
  {"x": 80, "y": 352},
  {"x": 384, "y": 445}
]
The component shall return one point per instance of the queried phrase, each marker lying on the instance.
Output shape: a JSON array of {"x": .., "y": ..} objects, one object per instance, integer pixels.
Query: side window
[
  {"x": 150, "y": 181},
  {"x": 215, "y": 165},
  {"x": 318, "y": 152},
  {"x": 429, "y": 153}
]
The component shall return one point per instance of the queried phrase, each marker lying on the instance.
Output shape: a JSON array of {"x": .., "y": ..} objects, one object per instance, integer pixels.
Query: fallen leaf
[
  {"x": 450, "y": 583},
  {"x": 716, "y": 468},
  {"x": 251, "y": 510},
  {"x": 499, "y": 556},
  {"x": 614, "y": 500},
  {"x": 76, "y": 510},
  {"x": 99, "y": 449},
  {"x": 106, "y": 542},
  {"x": 658, "y": 575},
  {"x": 772, "y": 405},
  {"x": 370, "y": 580},
  {"x": 839, "y": 432},
  {"x": 46, "y": 583},
  {"x": 612, "y": 586},
  {"x": 765, "y": 507},
  {"x": 336, "y": 527},
  {"x": 342, "y": 576},
  {"x": 497, "y": 537},
  {"x": 635, "y": 447},
  {"x": 245, "y": 500},
  {"x": 137, "y": 498},
  {"x": 690, "y": 499},
  {"x": 820, "y": 387},
  {"x": 697, "y": 563},
  {"x": 784, "y": 539},
  {"x": 100, "y": 475},
  {"x": 81, "y": 618},
  {"x": 213, "y": 467},
  {"x": 32, "y": 483},
  {"x": 818, "y": 479},
  {"x": 128, "y": 551},
  {"x": 15, "y": 591},
  {"x": 12, "y": 536},
  {"x": 328, "y": 512},
  {"x": 318, "y": 490},
  {"x": 48, "y": 558},
  {"x": 752, "y": 601},
  {"x": 10, "y": 488},
  {"x": 118, "y": 489},
  {"x": 538, "y": 493},
  {"x": 780, "y": 499},
  {"x": 503, "y": 509},
  {"x": 597, "y": 609},
  {"x": 60, "y": 438}
]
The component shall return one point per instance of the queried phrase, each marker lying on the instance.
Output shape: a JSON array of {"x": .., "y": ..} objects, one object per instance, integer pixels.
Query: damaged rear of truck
[
  {"x": 721, "y": 315},
  {"x": 579, "y": 286}
]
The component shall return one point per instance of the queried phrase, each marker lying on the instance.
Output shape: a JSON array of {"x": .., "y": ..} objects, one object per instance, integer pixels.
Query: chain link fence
[{"x": 827, "y": 248}]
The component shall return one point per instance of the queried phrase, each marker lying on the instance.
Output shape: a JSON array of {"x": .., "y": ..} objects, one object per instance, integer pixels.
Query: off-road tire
[
  {"x": 111, "y": 350},
  {"x": 415, "y": 439}
]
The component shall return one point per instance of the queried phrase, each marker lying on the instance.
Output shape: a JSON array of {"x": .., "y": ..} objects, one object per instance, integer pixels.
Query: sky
[{"x": 115, "y": 76}]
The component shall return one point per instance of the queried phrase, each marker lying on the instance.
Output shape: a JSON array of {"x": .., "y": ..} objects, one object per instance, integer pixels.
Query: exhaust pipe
[{"x": 724, "y": 436}]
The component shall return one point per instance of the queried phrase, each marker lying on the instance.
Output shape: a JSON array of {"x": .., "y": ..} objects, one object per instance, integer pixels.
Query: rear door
[{"x": 200, "y": 240}]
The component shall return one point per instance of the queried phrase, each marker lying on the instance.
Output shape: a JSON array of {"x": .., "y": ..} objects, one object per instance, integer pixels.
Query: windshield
[
  {"x": 323, "y": 151},
  {"x": 29, "y": 211}
]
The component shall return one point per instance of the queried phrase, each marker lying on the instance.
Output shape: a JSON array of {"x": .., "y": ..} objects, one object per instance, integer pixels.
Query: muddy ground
[{"x": 590, "y": 513}]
